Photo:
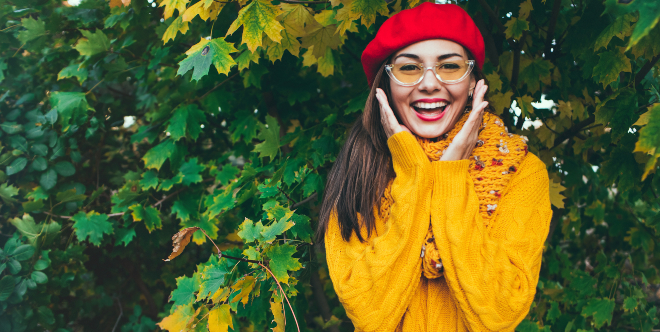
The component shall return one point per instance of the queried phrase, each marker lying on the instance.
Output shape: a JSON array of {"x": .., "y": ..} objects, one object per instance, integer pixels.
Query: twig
[
  {"x": 645, "y": 69},
  {"x": 121, "y": 313},
  {"x": 215, "y": 87},
  {"x": 304, "y": 201},
  {"x": 283, "y": 294},
  {"x": 15, "y": 25},
  {"x": 90, "y": 90}
]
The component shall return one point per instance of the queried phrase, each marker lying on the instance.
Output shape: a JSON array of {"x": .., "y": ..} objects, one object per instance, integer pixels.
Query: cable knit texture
[{"x": 481, "y": 224}]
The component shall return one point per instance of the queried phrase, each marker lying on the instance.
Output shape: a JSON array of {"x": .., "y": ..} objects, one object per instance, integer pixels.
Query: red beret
[{"x": 426, "y": 21}]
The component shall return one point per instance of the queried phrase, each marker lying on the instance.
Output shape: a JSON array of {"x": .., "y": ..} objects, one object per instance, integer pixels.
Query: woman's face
[{"x": 430, "y": 108}]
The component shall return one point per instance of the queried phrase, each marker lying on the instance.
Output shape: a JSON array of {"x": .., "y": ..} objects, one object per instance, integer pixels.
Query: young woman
[{"x": 434, "y": 216}]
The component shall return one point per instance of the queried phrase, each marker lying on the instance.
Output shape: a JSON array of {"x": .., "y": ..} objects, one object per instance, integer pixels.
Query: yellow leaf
[
  {"x": 499, "y": 101},
  {"x": 556, "y": 198},
  {"x": 118, "y": 3},
  {"x": 345, "y": 17},
  {"x": 258, "y": 17},
  {"x": 171, "y": 5},
  {"x": 308, "y": 58},
  {"x": 246, "y": 58},
  {"x": 369, "y": 9},
  {"x": 177, "y": 26},
  {"x": 288, "y": 42},
  {"x": 321, "y": 39},
  {"x": 525, "y": 104},
  {"x": 565, "y": 109},
  {"x": 278, "y": 313},
  {"x": 220, "y": 319},
  {"x": 578, "y": 107},
  {"x": 644, "y": 118},
  {"x": 525, "y": 8},
  {"x": 220, "y": 295},
  {"x": 297, "y": 19},
  {"x": 325, "y": 17},
  {"x": 244, "y": 286},
  {"x": 179, "y": 319},
  {"x": 193, "y": 11},
  {"x": 494, "y": 81},
  {"x": 546, "y": 136},
  {"x": 326, "y": 64}
]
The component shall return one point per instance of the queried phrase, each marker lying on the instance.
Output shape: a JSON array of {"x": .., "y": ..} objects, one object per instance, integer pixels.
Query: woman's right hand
[{"x": 390, "y": 123}]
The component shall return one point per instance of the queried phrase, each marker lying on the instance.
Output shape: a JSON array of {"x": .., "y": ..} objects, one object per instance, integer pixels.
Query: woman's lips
[{"x": 431, "y": 116}]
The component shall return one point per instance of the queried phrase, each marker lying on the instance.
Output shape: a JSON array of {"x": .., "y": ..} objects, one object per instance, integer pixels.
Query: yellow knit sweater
[{"x": 489, "y": 217}]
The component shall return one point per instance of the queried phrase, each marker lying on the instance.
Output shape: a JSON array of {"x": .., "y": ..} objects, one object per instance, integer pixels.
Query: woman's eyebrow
[{"x": 416, "y": 57}]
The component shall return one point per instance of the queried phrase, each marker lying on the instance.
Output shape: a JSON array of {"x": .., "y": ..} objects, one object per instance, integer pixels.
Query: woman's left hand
[{"x": 464, "y": 142}]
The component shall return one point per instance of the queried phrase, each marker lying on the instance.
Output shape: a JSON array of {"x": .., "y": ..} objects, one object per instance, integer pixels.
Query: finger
[{"x": 386, "y": 109}]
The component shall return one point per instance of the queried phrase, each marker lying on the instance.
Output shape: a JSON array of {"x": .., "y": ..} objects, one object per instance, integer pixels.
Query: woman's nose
[{"x": 429, "y": 82}]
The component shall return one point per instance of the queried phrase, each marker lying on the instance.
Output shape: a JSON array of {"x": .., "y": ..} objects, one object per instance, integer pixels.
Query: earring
[{"x": 470, "y": 92}]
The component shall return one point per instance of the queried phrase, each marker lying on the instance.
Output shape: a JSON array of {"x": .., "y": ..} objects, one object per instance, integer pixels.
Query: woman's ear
[{"x": 472, "y": 85}]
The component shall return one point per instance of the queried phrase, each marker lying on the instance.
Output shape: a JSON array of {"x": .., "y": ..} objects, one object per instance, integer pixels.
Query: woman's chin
[{"x": 427, "y": 130}]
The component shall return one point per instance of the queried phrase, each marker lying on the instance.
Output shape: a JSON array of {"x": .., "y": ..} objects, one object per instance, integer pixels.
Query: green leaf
[
  {"x": 39, "y": 277},
  {"x": 40, "y": 149},
  {"x": 302, "y": 228},
  {"x": 270, "y": 232},
  {"x": 149, "y": 180},
  {"x": 34, "y": 29},
  {"x": 11, "y": 128},
  {"x": 185, "y": 290},
  {"x": 369, "y": 9},
  {"x": 219, "y": 203},
  {"x": 64, "y": 168},
  {"x": 250, "y": 231},
  {"x": 212, "y": 278},
  {"x": 621, "y": 28},
  {"x": 73, "y": 70},
  {"x": 190, "y": 171},
  {"x": 16, "y": 166},
  {"x": 93, "y": 43},
  {"x": 124, "y": 235},
  {"x": 23, "y": 252},
  {"x": 156, "y": 156},
  {"x": 649, "y": 15},
  {"x": 515, "y": 28},
  {"x": 270, "y": 135},
  {"x": 256, "y": 18},
  {"x": 7, "y": 284},
  {"x": 649, "y": 139},
  {"x": 185, "y": 208},
  {"x": 630, "y": 304},
  {"x": 206, "y": 52},
  {"x": 188, "y": 118},
  {"x": 148, "y": 215},
  {"x": 7, "y": 192},
  {"x": 611, "y": 64},
  {"x": 70, "y": 195},
  {"x": 245, "y": 128},
  {"x": 313, "y": 183},
  {"x": 227, "y": 174},
  {"x": 91, "y": 226},
  {"x": 534, "y": 73},
  {"x": 71, "y": 106},
  {"x": 601, "y": 310},
  {"x": 48, "y": 179},
  {"x": 281, "y": 261},
  {"x": 554, "y": 312},
  {"x": 28, "y": 228},
  {"x": 167, "y": 184}
]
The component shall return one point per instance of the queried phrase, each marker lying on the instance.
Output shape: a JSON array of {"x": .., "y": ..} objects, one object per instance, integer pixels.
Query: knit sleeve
[
  {"x": 375, "y": 280},
  {"x": 492, "y": 270}
]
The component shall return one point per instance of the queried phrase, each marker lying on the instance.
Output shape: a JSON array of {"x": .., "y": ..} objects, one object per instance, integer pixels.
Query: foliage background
[{"x": 123, "y": 122}]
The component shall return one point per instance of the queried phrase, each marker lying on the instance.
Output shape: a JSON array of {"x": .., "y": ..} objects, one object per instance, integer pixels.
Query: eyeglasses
[{"x": 448, "y": 72}]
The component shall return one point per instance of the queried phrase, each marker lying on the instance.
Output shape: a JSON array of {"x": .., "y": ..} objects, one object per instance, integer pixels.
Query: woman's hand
[
  {"x": 387, "y": 118},
  {"x": 464, "y": 142}
]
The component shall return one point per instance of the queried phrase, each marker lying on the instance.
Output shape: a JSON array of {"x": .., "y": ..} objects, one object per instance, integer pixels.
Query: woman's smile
[{"x": 430, "y": 109}]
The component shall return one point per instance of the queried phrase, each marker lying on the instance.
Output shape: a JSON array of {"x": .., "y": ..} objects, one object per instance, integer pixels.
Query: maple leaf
[
  {"x": 200, "y": 57},
  {"x": 250, "y": 231},
  {"x": 499, "y": 101},
  {"x": 281, "y": 261},
  {"x": 611, "y": 64},
  {"x": 7, "y": 192},
  {"x": 73, "y": 71},
  {"x": 525, "y": 9},
  {"x": 302, "y": 228},
  {"x": 270, "y": 135},
  {"x": 227, "y": 174},
  {"x": 525, "y": 104},
  {"x": 149, "y": 180},
  {"x": 206, "y": 224},
  {"x": 321, "y": 39},
  {"x": 556, "y": 198},
  {"x": 534, "y": 72},
  {"x": 220, "y": 319},
  {"x": 270, "y": 232},
  {"x": 212, "y": 278},
  {"x": 34, "y": 29},
  {"x": 203, "y": 10},
  {"x": 621, "y": 28},
  {"x": 178, "y": 25},
  {"x": 71, "y": 107},
  {"x": 156, "y": 156},
  {"x": 185, "y": 290},
  {"x": 180, "y": 241},
  {"x": 179, "y": 319},
  {"x": 219, "y": 203},
  {"x": 93, "y": 43},
  {"x": 185, "y": 208},
  {"x": 256, "y": 18},
  {"x": 297, "y": 19},
  {"x": 244, "y": 286},
  {"x": 326, "y": 64},
  {"x": 246, "y": 58},
  {"x": 345, "y": 17},
  {"x": 649, "y": 139},
  {"x": 171, "y": 5},
  {"x": 149, "y": 215},
  {"x": 515, "y": 28},
  {"x": 92, "y": 225},
  {"x": 276, "y": 307},
  {"x": 186, "y": 119},
  {"x": 601, "y": 310},
  {"x": 368, "y": 10},
  {"x": 649, "y": 15}
]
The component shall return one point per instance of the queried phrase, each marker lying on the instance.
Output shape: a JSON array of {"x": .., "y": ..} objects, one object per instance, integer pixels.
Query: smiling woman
[{"x": 434, "y": 216}]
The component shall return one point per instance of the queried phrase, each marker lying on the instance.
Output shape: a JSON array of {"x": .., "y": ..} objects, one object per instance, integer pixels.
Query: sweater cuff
[
  {"x": 406, "y": 151},
  {"x": 451, "y": 176}
]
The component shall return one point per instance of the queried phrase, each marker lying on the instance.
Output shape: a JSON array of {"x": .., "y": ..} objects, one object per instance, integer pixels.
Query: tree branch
[
  {"x": 551, "y": 27},
  {"x": 313, "y": 196},
  {"x": 568, "y": 133},
  {"x": 645, "y": 69}
]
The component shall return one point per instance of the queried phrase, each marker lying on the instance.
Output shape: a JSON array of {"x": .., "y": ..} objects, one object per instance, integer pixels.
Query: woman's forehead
[{"x": 431, "y": 49}]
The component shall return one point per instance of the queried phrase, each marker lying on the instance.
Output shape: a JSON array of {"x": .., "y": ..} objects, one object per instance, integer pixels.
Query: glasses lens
[
  {"x": 452, "y": 70},
  {"x": 407, "y": 72}
]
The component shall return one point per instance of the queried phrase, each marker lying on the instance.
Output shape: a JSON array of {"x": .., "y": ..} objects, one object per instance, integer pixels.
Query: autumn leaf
[
  {"x": 119, "y": 3},
  {"x": 621, "y": 28},
  {"x": 321, "y": 39},
  {"x": 649, "y": 138},
  {"x": 220, "y": 319},
  {"x": 244, "y": 286},
  {"x": 148, "y": 215},
  {"x": 525, "y": 9},
  {"x": 499, "y": 101},
  {"x": 326, "y": 64},
  {"x": 179, "y": 319},
  {"x": 93, "y": 43},
  {"x": 368, "y": 10},
  {"x": 297, "y": 19},
  {"x": 171, "y": 5},
  {"x": 275, "y": 51},
  {"x": 178, "y": 25},
  {"x": 278, "y": 314},
  {"x": 556, "y": 198},
  {"x": 204, "y": 10},
  {"x": 206, "y": 52},
  {"x": 281, "y": 261},
  {"x": 250, "y": 231},
  {"x": 611, "y": 64},
  {"x": 258, "y": 17},
  {"x": 515, "y": 28},
  {"x": 180, "y": 241},
  {"x": 649, "y": 15}
]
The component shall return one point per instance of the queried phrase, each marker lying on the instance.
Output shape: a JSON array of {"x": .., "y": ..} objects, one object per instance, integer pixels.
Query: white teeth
[{"x": 429, "y": 105}]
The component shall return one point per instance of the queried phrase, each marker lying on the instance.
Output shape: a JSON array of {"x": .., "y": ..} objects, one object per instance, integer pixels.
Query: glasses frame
[{"x": 388, "y": 69}]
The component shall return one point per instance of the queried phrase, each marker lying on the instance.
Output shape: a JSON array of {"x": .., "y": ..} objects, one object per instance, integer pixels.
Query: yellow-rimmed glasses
[{"x": 448, "y": 72}]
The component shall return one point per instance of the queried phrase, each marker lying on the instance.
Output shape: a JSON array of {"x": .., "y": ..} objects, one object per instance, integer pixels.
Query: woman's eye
[
  {"x": 450, "y": 66},
  {"x": 408, "y": 68}
]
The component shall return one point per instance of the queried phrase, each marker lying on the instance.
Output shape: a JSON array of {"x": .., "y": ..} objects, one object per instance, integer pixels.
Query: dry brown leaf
[
  {"x": 117, "y": 3},
  {"x": 181, "y": 240}
]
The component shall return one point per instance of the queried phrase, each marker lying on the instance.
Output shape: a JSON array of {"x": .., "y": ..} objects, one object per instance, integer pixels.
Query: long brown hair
[{"x": 363, "y": 168}]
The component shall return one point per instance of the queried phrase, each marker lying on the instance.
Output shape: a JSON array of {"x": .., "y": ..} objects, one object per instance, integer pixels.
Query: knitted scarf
[{"x": 493, "y": 163}]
